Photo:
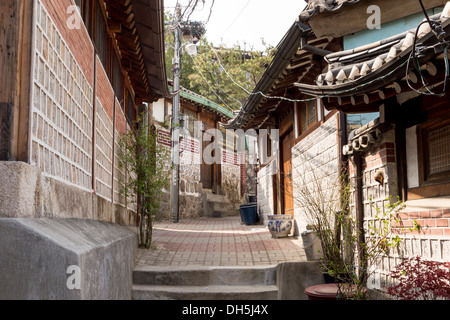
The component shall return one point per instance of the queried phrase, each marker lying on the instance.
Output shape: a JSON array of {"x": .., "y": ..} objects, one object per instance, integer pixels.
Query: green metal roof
[{"x": 189, "y": 95}]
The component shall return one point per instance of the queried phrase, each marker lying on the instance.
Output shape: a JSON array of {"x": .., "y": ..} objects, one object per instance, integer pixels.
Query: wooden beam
[
  {"x": 114, "y": 26},
  {"x": 356, "y": 16},
  {"x": 15, "y": 70}
]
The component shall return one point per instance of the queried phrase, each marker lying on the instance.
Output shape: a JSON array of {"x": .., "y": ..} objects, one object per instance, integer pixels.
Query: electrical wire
[
  {"x": 412, "y": 58},
  {"x": 416, "y": 61},
  {"x": 209, "y": 85},
  {"x": 237, "y": 17},
  {"x": 217, "y": 83}
]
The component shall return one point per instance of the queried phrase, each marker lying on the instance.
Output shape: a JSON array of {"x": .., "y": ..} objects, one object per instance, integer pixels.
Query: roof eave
[
  {"x": 285, "y": 51},
  {"x": 151, "y": 33}
]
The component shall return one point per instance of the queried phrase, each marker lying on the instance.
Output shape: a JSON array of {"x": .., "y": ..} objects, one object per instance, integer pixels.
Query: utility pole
[
  {"x": 194, "y": 30},
  {"x": 175, "y": 217}
]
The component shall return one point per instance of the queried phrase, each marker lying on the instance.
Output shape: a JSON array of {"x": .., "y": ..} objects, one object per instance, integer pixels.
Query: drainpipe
[
  {"x": 357, "y": 161},
  {"x": 342, "y": 165},
  {"x": 314, "y": 50}
]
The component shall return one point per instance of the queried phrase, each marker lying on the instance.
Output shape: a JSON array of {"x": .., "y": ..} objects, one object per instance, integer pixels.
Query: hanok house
[
  {"x": 75, "y": 75},
  {"x": 307, "y": 132},
  {"x": 337, "y": 92},
  {"x": 400, "y": 73},
  {"x": 205, "y": 189}
]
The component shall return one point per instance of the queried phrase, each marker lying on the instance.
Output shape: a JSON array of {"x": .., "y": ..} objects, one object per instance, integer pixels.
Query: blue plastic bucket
[{"x": 248, "y": 213}]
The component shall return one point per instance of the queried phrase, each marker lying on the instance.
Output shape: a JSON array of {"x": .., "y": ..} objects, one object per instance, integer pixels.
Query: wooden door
[
  {"x": 206, "y": 170},
  {"x": 287, "y": 142}
]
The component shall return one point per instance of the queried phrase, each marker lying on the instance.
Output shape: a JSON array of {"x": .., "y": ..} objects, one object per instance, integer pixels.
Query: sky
[{"x": 245, "y": 21}]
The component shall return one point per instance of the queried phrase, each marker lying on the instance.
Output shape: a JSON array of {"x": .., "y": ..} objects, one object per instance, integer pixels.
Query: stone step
[
  {"x": 204, "y": 276},
  {"x": 211, "y": 197},
  {"x": 222, "y": 214},
  {"x": 221, "y": 206},
  {"x": 146, "y": 292},
  {"x": 205, "y": 283}
]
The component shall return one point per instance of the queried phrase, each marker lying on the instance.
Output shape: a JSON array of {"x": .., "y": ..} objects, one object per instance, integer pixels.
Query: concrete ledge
[
  {"x": 294, "y": 277},
  {"x": 36, "y": 255},
  {"x": 26, "y": 193}
]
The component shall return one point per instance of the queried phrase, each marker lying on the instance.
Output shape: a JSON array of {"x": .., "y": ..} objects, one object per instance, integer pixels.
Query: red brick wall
[
  {"x": 105, "y": 92},
  {"x": 121, "y": 121},
  {"x": 431, "y": 222},
  {"x": 382, "y": 155},
  {"x": 77, "y": 40}
]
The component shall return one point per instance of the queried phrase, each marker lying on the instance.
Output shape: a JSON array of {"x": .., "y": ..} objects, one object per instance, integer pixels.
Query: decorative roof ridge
[
  {"x": 346, "y": 66},
  {"x": 315, "y": 7}
]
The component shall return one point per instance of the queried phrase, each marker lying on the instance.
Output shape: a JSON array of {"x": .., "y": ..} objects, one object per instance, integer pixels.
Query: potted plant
[
  {"x": 349, "y": 249},
  {"x": 366, "y": 247},
  {"x": 324, "y": 201}
]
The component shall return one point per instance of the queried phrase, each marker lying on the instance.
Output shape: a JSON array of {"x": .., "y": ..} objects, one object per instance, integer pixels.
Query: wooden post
[{"x": 16, "y": 25}]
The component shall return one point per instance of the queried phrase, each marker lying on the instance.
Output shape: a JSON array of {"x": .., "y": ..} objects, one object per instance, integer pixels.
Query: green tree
[
  {"x": 223, "y": 75},
  {"x": 145, "y": 164},
  {"x": 227, "y": 75}
]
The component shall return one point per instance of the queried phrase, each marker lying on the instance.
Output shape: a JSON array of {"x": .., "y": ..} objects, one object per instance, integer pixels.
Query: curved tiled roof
[
  {"x": 357, "y": 71},
  {"x": 319, "y": 6},
  {"x": 294, "y": 61}
]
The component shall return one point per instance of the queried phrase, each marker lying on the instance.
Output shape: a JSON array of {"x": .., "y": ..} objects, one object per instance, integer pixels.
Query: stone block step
[
  {"x": 211, "y": 197},
  {"x": 221, "y": 214},
  {"x": 221, "y": 206},
  {"x": 148, "y": 292},
  {"x": 205, "y": 276}
]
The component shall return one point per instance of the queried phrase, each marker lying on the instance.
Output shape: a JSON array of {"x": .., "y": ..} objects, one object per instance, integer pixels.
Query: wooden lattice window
[
  {"x": 435, "y": 140},
  {"x": 308, "y": 115},
  {"x": 438, "y": 143}
]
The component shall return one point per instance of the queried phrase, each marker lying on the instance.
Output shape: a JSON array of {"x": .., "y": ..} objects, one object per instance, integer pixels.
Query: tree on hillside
[
  {"x": 223, "y": 75},
  {"x": 227, "y": 75}
]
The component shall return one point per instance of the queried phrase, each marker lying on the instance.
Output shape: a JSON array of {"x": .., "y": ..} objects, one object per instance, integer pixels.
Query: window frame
[
  {"x": 423, "y": 131},
  {"x": 302, "y": 108}
]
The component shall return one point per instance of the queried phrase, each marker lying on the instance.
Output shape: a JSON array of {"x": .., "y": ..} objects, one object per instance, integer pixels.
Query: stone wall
[
  {"x": 190, "y": 198},
  {"x": 231, "y": 176},
  {"x": 266, "y": 190},
  {"x": 191, "y": 201},
  {"x": 65, "y": 259},
  {"x": 315, "y": 165}
]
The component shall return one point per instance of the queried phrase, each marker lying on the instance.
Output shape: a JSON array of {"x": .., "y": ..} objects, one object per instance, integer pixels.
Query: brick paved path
[{"x": 218, "y": 242}]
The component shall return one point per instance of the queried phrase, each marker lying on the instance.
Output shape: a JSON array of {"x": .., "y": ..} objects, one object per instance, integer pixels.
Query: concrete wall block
[
  {"x": 18, "y": 190},
  {"x": 39, "y": 253},
  {"x": 27, "y": 193},
  {"x": 294, "y": 277}
]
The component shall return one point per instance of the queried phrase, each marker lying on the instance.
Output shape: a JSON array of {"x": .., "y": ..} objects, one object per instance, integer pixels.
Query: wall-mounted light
[
  {"x": 379, "y": 177},
  {"x": 191, "y": 49}
]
